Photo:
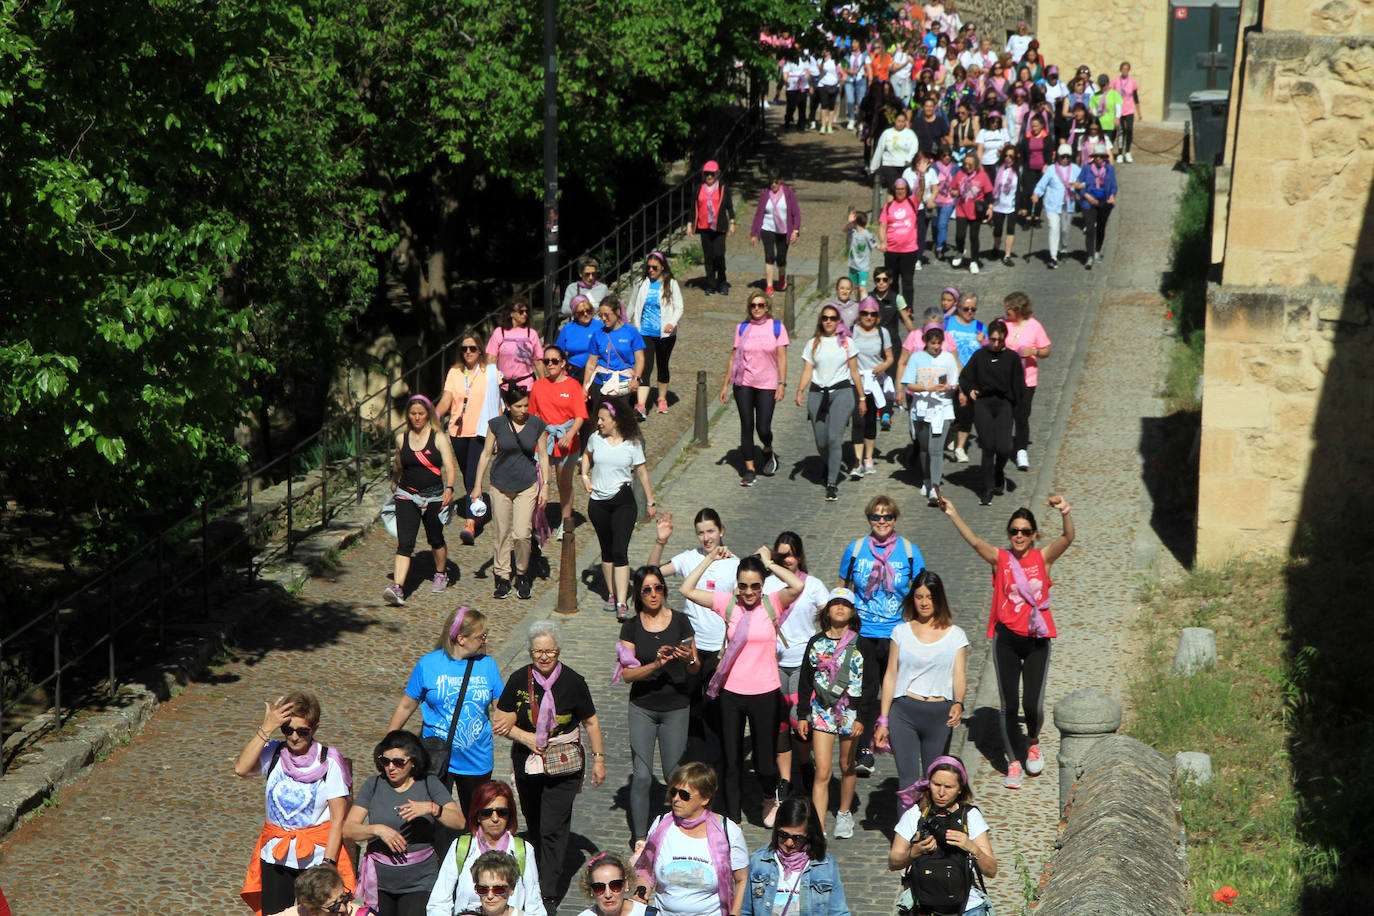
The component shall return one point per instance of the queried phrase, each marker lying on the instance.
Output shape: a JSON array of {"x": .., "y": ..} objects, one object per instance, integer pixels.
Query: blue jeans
[
  {"x": 855, "y": 88},
  {"x": 942, "y": 224}
]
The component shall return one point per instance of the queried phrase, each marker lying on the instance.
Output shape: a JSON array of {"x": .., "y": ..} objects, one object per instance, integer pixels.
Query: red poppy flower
[{"x": 1226, "y": 895}]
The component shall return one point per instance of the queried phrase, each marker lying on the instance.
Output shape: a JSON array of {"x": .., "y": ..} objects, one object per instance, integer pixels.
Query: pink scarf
[
  {"x": 547, "y": 719},
  {"x": 1006, "y": 177},
  {"x": 1037, "y": 627},
  {"x": 624, "y": 658},
  {"x": 831, "y": 667},
  {"x": 736, "y": 643},
  {"x": 502, "y": 845},
  {"x": 912, "y": 793},
  {"x": 715, "y": 840},
  {"x": 881, "y": 576},
  {"x": 301, "y": 769},
  {"x": 366, "y": 889},
  {"x": 1099, "y": 175},
  {"x": 792, "y": 862}
]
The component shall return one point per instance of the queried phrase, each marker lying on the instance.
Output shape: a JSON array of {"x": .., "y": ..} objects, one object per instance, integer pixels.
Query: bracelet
[
  {"x": 595, "y": 754},
  {"x": 661, "y": 541},
  {"x": 328, "y": 861},
  {"x": 960, "y": 702},
  {"x": 438, "y": 809},
  {"x": 651, "y": 503},
  {"x": 262, "y": 734},
  {"x": 881, "y": 721},
  {"x": 448, "y": 488}
]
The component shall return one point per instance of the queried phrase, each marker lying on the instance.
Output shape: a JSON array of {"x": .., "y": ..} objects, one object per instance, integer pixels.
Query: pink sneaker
[
  {"x": 1034, "y": 765},
  {"x": 662, "y": 405},
  {"x": 1013, "y": 780}
]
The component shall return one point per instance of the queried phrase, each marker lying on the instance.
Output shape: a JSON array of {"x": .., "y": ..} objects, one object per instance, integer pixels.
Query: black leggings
[
  {"x": 713, "y": 253},
  {"x": 1021, "y": 415},
  {"x": 762, "y": 711},
  {"x": 547, "y": 803},
  {"x": 278, "y": 887},
  {"x": 1022, "y": 663},
  {"x": 963, "y": 226},
  {"x": 992, "y": 419},
  {"x": 658, "y": 349},
  {"x": 880, "y": 653},
  {"x": 614, "y": 521},
  {"x": 903, "y": 266},
  {"x": 796, "y": 102},
  {"x": 408, "y": 518},
  {"x": 1025, "y": 188},
  {"x": 755, "y": 410},
  {"x": 462, "y": 786},
  {"x": 1127, "y": 132},
  {"x": 467, "y": 451},
  {"x": 1095, "y": 226},
  {"x": 775, "y": 249},
  {"x": 866, "y": 425},
  {"x": 1000, "y": 222},
  {"x": 412, "y": 904}
]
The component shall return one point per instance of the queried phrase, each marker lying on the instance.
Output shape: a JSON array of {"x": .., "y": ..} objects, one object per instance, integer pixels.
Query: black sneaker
[
  {"x": 863, "y": 763},
  {"x": 724, "y": 288},
  {"x": 522, "y": 587},
  {"x": 770, "y": 467},
  {"x": 886, "y": 422},
  {"x": 710, "y": 290},
  {"x": 832, "y": 494},
  {"x": 1054, "y": 262},
  {"x": 748, "y": 479},
  {"x": 502, "y": 588},
  {"x": 985, "y": 499}
]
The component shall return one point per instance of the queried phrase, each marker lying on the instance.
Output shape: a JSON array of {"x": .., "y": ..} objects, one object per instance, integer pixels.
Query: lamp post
[{"x": 550, "y": 172}]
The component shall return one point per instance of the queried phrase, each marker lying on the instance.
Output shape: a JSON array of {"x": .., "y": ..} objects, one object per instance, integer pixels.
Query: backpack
[
  {"x": 829, "y": 696},
  {"x": 777, "y": 328},
  {"x": 516, "y": 364},
  {"x": 940, "y": 881},
  {"x": 464, "y": 843},
  {"x": 854, "y": 555}
]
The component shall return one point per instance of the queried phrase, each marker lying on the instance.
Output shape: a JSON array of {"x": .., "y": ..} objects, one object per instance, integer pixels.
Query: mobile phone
[{"x": 685, "y": 641}]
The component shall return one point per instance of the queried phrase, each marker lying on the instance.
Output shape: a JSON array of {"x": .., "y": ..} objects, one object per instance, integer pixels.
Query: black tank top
[{"x": 417, "y": 475}]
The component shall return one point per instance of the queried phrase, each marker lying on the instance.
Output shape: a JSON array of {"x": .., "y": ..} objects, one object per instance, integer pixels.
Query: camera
[{"x": 936, "y": 825}]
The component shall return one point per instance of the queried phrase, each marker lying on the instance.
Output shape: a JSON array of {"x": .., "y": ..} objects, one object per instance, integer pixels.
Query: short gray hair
[
  {"x": 971, "y": 297},
  {"x": 547, "y": 628}
]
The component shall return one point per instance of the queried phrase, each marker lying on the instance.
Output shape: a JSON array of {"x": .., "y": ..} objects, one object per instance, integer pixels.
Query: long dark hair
[
  {"x": 637, "y": 584},
  {"x": 793, "y": 541},
  {"x": 406, "y": 742},
  {"x": 796, "y": 809},
  {"x": 626, "y": 424},
  {"x": 942, "y": 617}
]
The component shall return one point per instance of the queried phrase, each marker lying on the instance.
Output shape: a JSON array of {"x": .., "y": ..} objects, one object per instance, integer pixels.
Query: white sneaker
[
  {"x": 960, "y": 456},
  {"x": 1013, "y": 780},
  {"x": 1130, "y": 158},
  {"x": 1034, "y": 764},
  {"x": 844, "y": 825},
  {"x": 1022, "y": 460},
  {"x": 918, "y": 264},
  {"x": 1120, "y": 157},
  {"x": 850, "y": 125},
  {"x": 925, "y": 490},
  {"x": 973, "y": 267},
  {"x": 955, "y": 262}
]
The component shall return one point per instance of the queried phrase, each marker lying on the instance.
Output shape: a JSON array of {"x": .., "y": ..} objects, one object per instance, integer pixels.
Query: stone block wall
[
  {"x": 997, "y": 18},
  {"x": 1102, "y": 35}
]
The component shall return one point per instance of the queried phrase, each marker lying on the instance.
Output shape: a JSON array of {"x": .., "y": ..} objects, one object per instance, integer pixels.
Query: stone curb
[{"x": 86, "y": 742}]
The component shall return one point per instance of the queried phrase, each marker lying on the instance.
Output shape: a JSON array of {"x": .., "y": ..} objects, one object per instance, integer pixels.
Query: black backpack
[{"x": 940, "y": 881}]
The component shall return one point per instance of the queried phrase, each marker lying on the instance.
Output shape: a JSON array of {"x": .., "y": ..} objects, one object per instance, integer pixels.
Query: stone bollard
[
  {"x": 1193, "y": 766},
  {"x": 823, "y": 266},
  {"x": 1197, "y": 650},
  {"x": 702, "y": 430},
  {"x": 1083, "y": 718}
]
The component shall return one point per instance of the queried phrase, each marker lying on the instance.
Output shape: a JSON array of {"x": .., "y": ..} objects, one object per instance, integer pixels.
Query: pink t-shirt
[
  {"x": 915, "y": 340},
  {"x": 516, "y": 351},
  {"x": 1028, "y": 333},
  {"x": 755, "y": 670},
  {"x": 1128, "y": 87},
  {"x": 900, "y": 220},
  {"x": 756, "y": 353}
]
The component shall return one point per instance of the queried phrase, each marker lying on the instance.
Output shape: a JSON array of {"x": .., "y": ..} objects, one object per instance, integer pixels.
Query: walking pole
[{"x": 1030, "y": 243}]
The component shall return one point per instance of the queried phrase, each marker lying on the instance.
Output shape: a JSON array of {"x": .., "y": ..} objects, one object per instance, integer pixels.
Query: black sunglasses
[
  {"x": 551, "y": 361},
  {"x": 392, "y": 762},
  {"x": 684, "y": 794},
  {"x": 469, "y": 348},
  {"x": 653, "y": 589},
  {"x": 288, "y": 731},
  {"x": 616, "y": 886},
  {"x": 798, "y": 838},
  {"x": 1024, "y": 531},
  {"x": 881, "y": 516},
  {"x": 485, "y": 813}
]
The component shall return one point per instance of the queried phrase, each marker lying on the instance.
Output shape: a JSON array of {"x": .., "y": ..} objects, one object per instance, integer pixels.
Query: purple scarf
[
  {"x": 736, "y": 644},
  {"x": 366, "y": 889},
  {"x": 881, "y": 576},
  {"x": 624, "y": 658},
  {"x": 912, "y": 793},
  {"x": 792, "y": 861},
  {"x": 502, "y": 845},
  {"x": 547, "y": 719},
  {"x": 1099, "y": 175},
  {"x": 1006, "y": 177},
  {"x": 715, "y": 839},
  {"x": 1038, "y": 627},
  {"x": 301, "y": 769}
]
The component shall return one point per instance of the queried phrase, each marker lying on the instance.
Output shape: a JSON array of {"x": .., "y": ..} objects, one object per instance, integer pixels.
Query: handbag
[
  {"x": 438, "y": 749},
  {"x": 618, "y": 385},
  {"x": 563, "y": 758}
]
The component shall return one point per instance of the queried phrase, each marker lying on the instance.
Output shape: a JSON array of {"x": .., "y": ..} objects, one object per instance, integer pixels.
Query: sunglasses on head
[
  {"x": 493, "y": 812},
  {"x": 616, "y": 886},
  {"x": 656, "y": 588},
  {"x": 288, "y": 731},
  {"x": 496, "y": 890},
  {"x": 881, "y": 516}
]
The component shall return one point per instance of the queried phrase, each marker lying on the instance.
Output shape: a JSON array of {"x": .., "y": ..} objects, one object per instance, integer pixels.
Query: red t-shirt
[
  {"x": 1008, "y": 607},
  {"x": 556, "y": 403}
]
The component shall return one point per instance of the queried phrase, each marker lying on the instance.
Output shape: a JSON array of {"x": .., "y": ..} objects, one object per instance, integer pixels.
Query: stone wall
[
  {"x": 1288, "y": 385},
  {"x": 997, "y": 18},
  {"x": 1102, "y": 35}
]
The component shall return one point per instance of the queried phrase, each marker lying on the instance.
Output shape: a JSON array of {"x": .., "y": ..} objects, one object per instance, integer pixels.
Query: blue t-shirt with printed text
[
  {"x": 965, "y": 336},
  {"x": 435, "y": 684},
  {"x": 880, "y": 613},
  {"x": 615, "y": 350}
]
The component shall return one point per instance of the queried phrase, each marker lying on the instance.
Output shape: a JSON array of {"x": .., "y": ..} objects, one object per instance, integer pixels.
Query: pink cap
[{"x": 711, "y": 166}]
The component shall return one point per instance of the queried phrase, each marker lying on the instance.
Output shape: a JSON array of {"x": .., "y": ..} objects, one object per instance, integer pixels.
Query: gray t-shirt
[
  {"x": 512, "y": 468},
  {"x": 381, "y": 802},
  {"x": 861, "y": 244},
  {"x": 869, "y": 346}
]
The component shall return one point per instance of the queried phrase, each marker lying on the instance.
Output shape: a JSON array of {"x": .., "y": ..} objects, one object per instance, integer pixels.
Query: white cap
[
  {"x": 477, "y": 508},
  {"x": 1064, "y": 150},
  {"x": 842, "y": 594},
  {"x": 1102, "y": 149}
]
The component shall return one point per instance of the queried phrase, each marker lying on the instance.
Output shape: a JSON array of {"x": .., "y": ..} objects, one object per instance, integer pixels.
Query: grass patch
[{"x": 1284, "y": 717}]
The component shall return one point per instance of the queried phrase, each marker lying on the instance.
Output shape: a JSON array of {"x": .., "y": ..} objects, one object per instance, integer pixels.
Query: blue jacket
[
  {"x": 821, "y": 893},
  {"x": 1085, "y": 175},
  {"x": 1051, "y": 189}
]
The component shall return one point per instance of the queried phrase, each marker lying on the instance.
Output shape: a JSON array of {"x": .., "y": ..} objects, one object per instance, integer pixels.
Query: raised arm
[
  {"x": 792, "y": 583},
  {"x": 689, "y": 588},
  {"x": 1061, "y": 543},
  {"x": 982, "y": 547}
]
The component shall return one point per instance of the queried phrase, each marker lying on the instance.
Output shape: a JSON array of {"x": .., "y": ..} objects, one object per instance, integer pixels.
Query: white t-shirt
[
  {"x": 795, "y": 74},
  {"x": 922, "y": 186},
  {"x": 1017, "y": 45},
  {"x": 993, "y": 141},
  {"x": 926, "y": 669},
  {"x": 800, "y": 624},
  {"x": 636, "y": 909},
  {"x": 612, "y": 465},
  {"x": 829, "y": 361},
  {"x": 295, "y": 805},
  {"x": 930, "y": 406},
  {"x": 1004, "y": 193},
  {"x": 910, "y": 825},
  {"x": 901, "y": 65},
  {"x": 830, "y": 73},
  {"x": 685, "y": 881},
  {"x": 719, "y": 577},
  {"x": 775, "y": 214}
]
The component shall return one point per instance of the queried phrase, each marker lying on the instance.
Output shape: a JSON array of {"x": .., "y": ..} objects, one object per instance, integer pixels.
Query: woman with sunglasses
[
  {"x": 655, "y": 310},
  {"x": 758, "y": 371},
  {"x": 604, "y": 880},
  {"x": 472, "y": 397},
  {"x": 400, "y": 806},
  {"x": 588, "y": 284},
  {"x": 557, "y": 400},
  {"x": 494, "y": 876},
  {"x": 830, "y": 377},
  {"x": 543, "y": 710},
  {"x": 307, "y": 799},
  {"x": 794, "y": 874},
  {"x": 493, "y": 823},
  {"x": 515, "y": 347},
  {"x": 458, "y": 679},
  {"x": 320, "y": 891},
  {"x": 1020, "y": 625},
  {"x": 423, "y": 472},
  {"x": 617, "y": 362},
  {"x": 747, "y": 680},
  {"x": 695, "y": 861},
  {"x": 577, "y": 338},
  {"x": 657, "y": 657}
]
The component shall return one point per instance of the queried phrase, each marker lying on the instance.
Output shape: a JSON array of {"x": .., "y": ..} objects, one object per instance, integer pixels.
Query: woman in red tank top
[{"x": 1020, "y": 626}]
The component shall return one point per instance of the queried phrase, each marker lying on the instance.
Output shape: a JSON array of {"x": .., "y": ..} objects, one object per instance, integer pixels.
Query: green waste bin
[{"x": 1209, "y": 124}]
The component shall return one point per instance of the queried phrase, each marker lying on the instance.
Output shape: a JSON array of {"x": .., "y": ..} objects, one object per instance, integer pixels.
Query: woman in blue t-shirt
[
  {"x": 655, "y": 310},
  {"x": 577, "y": 338}
]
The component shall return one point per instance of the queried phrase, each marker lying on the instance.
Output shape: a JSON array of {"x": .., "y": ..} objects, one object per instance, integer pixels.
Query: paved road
[{"x": 171, "y": 823}]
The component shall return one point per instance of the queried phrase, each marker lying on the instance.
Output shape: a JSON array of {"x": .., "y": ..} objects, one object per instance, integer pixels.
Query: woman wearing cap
[
  {"x": 777, "y": 222},
  {"x": 1027, "y": 338},
  {"x": 929, "y": 380},
  {"x": 422, "y": 475},
  {"x": 993, "y": 379},
  {"x": 655, "y": 310},
  {"x": 559, "y": 402},
  {"x": 577, "y": 338},
  {"x": 972, "y": 187},
  {"x": 436, "y": 688},
  {"x": 758, "y": 371},
  {"x": 830, "y": 379},
  {"x": 1096, "y": 187},
  {"x": 1130, "y": 103},
  {"x": 614, "y": 456},
  {"x": 515, "y": 347},
  {"x": 713, "y": 216},
  {"x": 516, "y": 450},
  {"x": 945, "y": 796},
  {"x": 839, "y": 678},
  {"x": 471, "y": 398},
  {"x": 1055, "y": 188},
  {"x": 899, "y": 236},
  {"x": 588, "y": 283},
  {"x": 1020, "y": 625}
]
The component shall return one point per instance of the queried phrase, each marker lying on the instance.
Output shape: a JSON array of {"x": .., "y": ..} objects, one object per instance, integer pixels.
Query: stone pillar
[{"x": 1083, "y": 717}]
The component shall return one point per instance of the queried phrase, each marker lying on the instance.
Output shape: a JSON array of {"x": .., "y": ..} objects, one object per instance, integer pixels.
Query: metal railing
[{"x": 170, "y": 573}]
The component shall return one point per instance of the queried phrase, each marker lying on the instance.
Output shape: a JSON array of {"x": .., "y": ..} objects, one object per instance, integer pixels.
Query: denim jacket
[{"x": 821, "y": 893}]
